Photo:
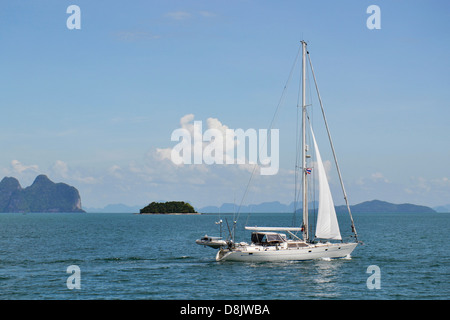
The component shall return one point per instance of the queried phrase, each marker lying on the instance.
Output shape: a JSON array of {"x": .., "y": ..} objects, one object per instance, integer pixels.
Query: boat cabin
[{"x": 268, "y": 238}]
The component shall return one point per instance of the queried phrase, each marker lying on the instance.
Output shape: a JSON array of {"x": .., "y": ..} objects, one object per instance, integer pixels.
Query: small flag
[{"x": 308, "y": 170}]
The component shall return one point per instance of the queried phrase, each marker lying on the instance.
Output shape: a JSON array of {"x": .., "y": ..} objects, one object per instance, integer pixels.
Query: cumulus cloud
[
  {"x": 420, "y": 190},
  {"x": 61, "y": 170},
  {"x": 156, "y": 177},
  {"x": 213, "y": 143},
  {"x": 185, "y": 120},
  {"x": 164, "y": 154},
  {"x": 429, "y": 189},
  {"x": 18, "y": 167},
  {"x": 378, "y": 176},
  {"x": 25, "y": 173}
]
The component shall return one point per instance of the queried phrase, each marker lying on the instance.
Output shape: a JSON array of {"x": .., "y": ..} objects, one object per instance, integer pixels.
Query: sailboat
[{"x": 296, "y": 243}]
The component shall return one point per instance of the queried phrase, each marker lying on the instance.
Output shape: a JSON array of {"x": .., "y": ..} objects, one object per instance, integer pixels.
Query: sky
[{"x": 95, "y": 107}]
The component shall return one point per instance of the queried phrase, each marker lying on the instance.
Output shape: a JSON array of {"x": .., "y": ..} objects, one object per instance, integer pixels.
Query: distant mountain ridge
[
  {"x": 374, "y": 206},
  {"x": 443, "y": 209},
  {"x": 377, "y": 206},
  {"x": 42, "y": 196}
]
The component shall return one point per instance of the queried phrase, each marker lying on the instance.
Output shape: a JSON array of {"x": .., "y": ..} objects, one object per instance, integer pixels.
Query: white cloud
[
  {"x": 115, "y": 170},
  {"x": 207, "y": 14},
  {"x": 132, "y": 36},
  {"x": 24, "y": 173},
  {"x": 156, "y": 178},
  {"x": 61, "y": 170},
  {"x": 186, "y": 119},
  {"x": 378, "y": 176},
  {"x": 86, "y": 180},
  {"x": 184, "y": 15},
  {"x": 418, "y": 190},
  {"x": 443, "y": 182},
  {"x": 164, "y": 154},
  {"x": 230, "y": 142},
  {"x": 429, "y": 190},
  {"x": 178, "y": 15},
  {"x": 18, "y": 167}
]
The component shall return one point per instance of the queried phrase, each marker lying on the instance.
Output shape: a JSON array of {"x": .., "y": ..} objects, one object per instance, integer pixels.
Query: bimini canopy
[
  {"x": 273, "y": 228},
  {"x": 268, "y": 238}
]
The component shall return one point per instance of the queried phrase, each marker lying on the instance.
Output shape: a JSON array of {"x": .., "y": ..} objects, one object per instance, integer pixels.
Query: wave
[{"x": 124, "y": 259}]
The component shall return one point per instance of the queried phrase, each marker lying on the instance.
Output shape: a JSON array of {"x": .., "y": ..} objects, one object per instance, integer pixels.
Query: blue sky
[{"x": 92, "y": 107}]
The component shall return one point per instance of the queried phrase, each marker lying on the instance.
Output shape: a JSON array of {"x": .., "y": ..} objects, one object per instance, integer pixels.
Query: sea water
[{"x": 130, "y": 256}]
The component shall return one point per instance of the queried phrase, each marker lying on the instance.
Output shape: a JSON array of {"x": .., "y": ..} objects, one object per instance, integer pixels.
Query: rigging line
[
  {"x": 296, "y": 168},
  {"x": 310, "y": 118},
  {"x": 298, "y": 149},
  {"x": 298, "y": 190},
  {"x": 270, "y": 127},
  {"x": 297, "y": 156},
  {"x": 314, "y": 176},
  {"x": 332, "y": 149}
]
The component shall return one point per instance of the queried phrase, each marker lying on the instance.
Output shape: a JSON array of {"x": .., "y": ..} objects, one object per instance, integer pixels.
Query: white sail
[{"x": 327, "y": 224}]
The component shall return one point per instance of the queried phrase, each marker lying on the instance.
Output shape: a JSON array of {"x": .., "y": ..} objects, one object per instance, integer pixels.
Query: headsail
[{"x": 327, "y": 224}]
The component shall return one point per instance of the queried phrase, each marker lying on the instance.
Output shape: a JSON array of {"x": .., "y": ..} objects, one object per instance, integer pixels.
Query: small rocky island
[
  {"x": 42, "y": 196},
  {"x": 170, "y": 207}
]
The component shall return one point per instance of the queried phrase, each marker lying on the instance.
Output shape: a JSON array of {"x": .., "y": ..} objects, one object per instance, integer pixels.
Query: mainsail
[{"x": 327, "y": 224}]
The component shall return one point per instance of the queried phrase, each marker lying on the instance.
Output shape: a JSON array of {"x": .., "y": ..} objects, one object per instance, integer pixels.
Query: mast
[
  {"x": 334, "y": 153},
  {"x": 304, "y": 148}
]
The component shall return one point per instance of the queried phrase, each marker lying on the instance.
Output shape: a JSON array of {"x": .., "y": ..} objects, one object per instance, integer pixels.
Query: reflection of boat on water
[{"x": 283, "y": 243}]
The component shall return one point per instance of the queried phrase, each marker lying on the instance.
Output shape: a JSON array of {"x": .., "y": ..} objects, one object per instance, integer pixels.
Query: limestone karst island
[{"x": 42, "y": 196}]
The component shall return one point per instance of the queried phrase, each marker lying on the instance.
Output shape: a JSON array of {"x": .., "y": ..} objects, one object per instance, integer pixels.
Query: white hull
[{"x": 251, "y": 253}]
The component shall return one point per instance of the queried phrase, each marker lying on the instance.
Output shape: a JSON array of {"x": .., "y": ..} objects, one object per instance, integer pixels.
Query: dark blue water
[{"x": 126, "y": 256}]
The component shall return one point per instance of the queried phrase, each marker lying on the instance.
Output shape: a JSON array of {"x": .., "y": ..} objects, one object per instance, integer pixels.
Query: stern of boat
[{"x": 222, "y": 254}]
